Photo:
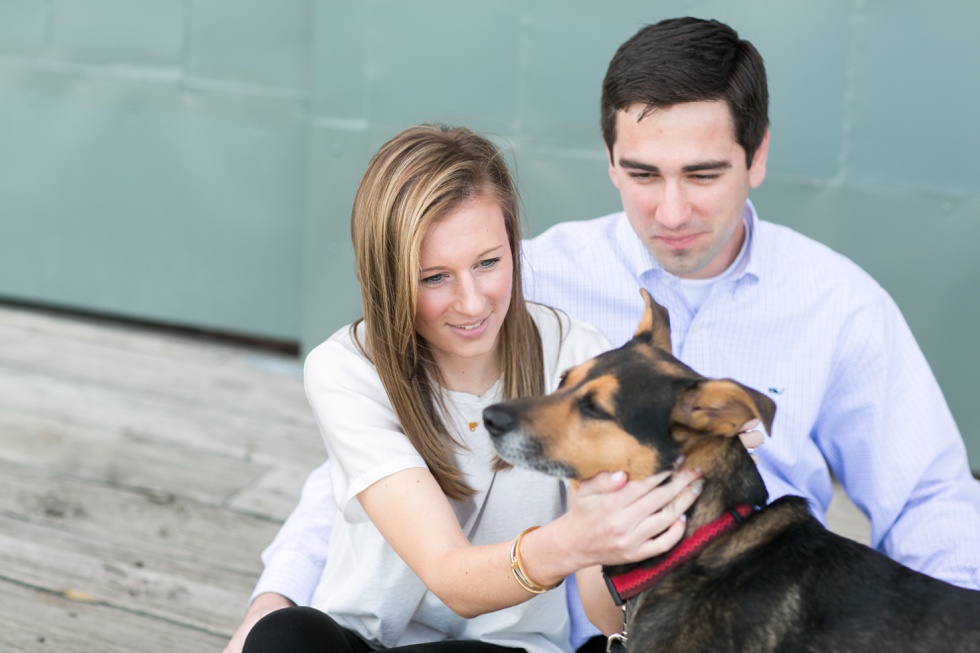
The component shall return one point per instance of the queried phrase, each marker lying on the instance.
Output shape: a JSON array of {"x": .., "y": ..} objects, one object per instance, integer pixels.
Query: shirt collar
[{"x": 642, "y": 262}]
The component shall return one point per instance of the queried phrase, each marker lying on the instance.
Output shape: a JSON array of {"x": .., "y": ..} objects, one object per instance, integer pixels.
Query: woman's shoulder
[{"x": 341, "y": 356}]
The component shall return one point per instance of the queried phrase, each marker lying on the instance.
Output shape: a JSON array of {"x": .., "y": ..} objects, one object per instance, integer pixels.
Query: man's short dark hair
[{"x": 688, "y": 60}]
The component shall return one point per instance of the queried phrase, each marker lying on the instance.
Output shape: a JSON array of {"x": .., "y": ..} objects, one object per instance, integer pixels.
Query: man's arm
[
  {"x": 295, "y": 559},
  {"x": 887, "y": 433}
]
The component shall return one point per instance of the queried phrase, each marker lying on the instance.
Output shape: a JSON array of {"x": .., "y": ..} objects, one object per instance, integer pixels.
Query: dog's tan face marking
[
  {"x": 576, "y": 375},
  {"x": 580, "y": 429}
]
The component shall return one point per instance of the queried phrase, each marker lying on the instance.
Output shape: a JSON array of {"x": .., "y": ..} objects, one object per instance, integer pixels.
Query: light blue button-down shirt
[{"x": 805, "y": 325}]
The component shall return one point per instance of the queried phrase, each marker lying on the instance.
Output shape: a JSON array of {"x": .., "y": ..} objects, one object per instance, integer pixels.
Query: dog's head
[{"x": 635, "y": 409}]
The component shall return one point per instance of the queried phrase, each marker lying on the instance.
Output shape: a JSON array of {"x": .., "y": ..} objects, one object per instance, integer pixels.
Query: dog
[{"x": 747, "y": 576}]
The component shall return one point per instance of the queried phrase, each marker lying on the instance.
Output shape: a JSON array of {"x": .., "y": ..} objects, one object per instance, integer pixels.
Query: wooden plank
[
  {"x": 145, "y": 523},
  {"x": 32, "y": 621},
  {"x": 229, "y": 381},
  {"x": 143, "y": 416},
  {"x": 183, "y": 591},
  {"x": 142, "y": 472},
  {"x": 111, "y": 457},
  {"x": 274, "y": 494}
]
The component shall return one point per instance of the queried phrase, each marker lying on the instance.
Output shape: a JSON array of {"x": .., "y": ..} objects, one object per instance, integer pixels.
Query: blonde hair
[{"x": 419, "y": 176}]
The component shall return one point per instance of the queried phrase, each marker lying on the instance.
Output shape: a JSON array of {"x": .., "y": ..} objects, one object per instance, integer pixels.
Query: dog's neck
[
  {"x": 731, "y": 483},
  {"x": 730, "y": 479}
]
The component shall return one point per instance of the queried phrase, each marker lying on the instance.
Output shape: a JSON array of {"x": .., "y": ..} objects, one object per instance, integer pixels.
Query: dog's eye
[{"x": 591, "y": 409}]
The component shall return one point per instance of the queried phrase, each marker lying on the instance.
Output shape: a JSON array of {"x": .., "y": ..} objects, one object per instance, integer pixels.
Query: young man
[{"x": 684, "y": 119}]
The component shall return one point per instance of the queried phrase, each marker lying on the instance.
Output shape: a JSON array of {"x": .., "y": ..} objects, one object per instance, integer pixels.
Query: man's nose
[{"x": 673, "y": 210}]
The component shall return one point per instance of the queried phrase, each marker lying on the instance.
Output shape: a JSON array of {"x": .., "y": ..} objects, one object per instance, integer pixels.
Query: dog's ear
[
  {"x": 721, "y": 407},
  {"x": 655, "y": 323}
]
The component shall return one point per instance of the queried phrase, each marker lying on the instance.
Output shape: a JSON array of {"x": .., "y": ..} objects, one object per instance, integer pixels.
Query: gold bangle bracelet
[{"x": 518, "y": 569}]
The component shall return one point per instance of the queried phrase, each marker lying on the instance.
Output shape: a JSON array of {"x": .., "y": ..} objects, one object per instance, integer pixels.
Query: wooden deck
[{"x": 142, "y": 472}]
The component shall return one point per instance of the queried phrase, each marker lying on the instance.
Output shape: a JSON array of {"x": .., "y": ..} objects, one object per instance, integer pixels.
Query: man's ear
[
  {"x": 655, "y": 323},
  {"x": 612, "y": 169},
  {"x": 721, "y": 407},
  {"x": 757, "y": 171}
]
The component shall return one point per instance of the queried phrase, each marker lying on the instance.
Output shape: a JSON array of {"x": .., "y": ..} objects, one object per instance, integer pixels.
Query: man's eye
[
  {"x": 704, "y": 179},
  {"x": 591, "y": 409}
]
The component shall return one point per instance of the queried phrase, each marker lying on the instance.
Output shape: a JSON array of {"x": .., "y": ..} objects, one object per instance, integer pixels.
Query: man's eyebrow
[
  {"x": 636, "y": 165},
  {"x": 702, "y": 166},
  {"x": 707, "y": 166}
]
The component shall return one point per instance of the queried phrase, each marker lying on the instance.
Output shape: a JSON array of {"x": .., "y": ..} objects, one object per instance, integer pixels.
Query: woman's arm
[{"x": 611, "y": 521}]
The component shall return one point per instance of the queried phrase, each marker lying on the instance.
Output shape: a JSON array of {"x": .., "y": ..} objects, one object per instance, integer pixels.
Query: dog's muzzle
[{"x": 519, "y": 447}]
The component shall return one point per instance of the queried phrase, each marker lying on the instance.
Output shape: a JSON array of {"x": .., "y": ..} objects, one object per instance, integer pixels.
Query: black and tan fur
[{"x": 778, "y": 582}]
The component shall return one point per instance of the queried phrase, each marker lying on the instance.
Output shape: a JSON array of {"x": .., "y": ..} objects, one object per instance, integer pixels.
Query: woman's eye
[
  {"x": 486, "y": 264},
  {"x": 433, "y": 280}
]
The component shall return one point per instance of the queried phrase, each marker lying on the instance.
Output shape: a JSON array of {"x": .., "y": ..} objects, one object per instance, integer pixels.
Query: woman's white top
[{"x": 365, "y": 586}]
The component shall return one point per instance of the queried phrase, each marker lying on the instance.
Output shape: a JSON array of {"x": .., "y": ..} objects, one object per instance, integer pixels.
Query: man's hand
[
  {"x": 261, "y": 606},
  {"x": 753, "y": 435}
]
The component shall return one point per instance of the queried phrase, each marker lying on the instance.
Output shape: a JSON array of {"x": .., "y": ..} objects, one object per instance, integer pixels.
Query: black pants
[{"x": 307, "y": 630}]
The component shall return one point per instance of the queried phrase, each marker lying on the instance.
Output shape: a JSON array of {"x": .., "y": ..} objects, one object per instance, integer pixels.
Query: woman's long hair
[{"x": 419, "y": 176}]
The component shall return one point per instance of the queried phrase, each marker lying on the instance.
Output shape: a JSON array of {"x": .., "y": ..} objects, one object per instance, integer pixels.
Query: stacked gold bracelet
[{"x": 519, "y": 574}]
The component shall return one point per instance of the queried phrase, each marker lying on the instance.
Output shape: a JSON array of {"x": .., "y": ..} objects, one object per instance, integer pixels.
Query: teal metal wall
[{"x": 193, "y": 161}]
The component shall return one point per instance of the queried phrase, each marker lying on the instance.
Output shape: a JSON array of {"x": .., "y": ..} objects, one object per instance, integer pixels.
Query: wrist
[
  {"x": 544, "y": 560},
  {"x": 268, "y": 602}
]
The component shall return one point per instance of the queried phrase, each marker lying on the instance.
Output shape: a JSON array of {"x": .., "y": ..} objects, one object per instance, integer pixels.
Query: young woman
[{"x": 441, "y": 546}]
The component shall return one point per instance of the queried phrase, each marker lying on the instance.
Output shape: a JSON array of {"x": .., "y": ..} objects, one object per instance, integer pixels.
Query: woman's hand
[
  {"x": 625, "y": 521},
  {"x": 619, "y": 521}
]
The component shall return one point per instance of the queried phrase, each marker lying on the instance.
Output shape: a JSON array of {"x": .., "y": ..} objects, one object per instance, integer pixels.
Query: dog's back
[{"x": 782, "y": 582}]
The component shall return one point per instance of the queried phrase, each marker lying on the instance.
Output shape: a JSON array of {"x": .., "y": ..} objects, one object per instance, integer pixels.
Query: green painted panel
[
  {"x": 337, "y": 159},
  {"x": 563, "y": 184},
  {"x": 917, "y": 97},
  {"x": 250, "y": 41},
  {"x": 457, "y": 63},
  {"x": 128, "y": 32},
  {"x": 23, "y": 27},
  {"x": 561, "y": 73},
  {"x": 339, "y": 60},
  {"x": 151, "y": 201}
]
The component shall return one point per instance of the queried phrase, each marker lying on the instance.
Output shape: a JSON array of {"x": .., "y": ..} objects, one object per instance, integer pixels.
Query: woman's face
[{"x": 464, "y": 291}]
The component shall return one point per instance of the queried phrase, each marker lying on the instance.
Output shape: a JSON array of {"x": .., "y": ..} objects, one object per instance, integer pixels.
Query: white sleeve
[
  {"x": 294, "y": 561},
  {"x": 364, "y": 439}
]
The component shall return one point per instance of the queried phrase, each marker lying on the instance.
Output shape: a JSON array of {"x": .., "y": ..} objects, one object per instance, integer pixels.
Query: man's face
[{"x": 683, "y": 181}]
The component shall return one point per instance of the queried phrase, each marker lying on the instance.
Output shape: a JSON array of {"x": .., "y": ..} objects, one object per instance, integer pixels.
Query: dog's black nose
[{"x": 498, "y": 421}]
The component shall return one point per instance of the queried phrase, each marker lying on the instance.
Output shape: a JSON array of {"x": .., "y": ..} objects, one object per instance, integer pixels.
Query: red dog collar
[{"x": 627, "y": 585}]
